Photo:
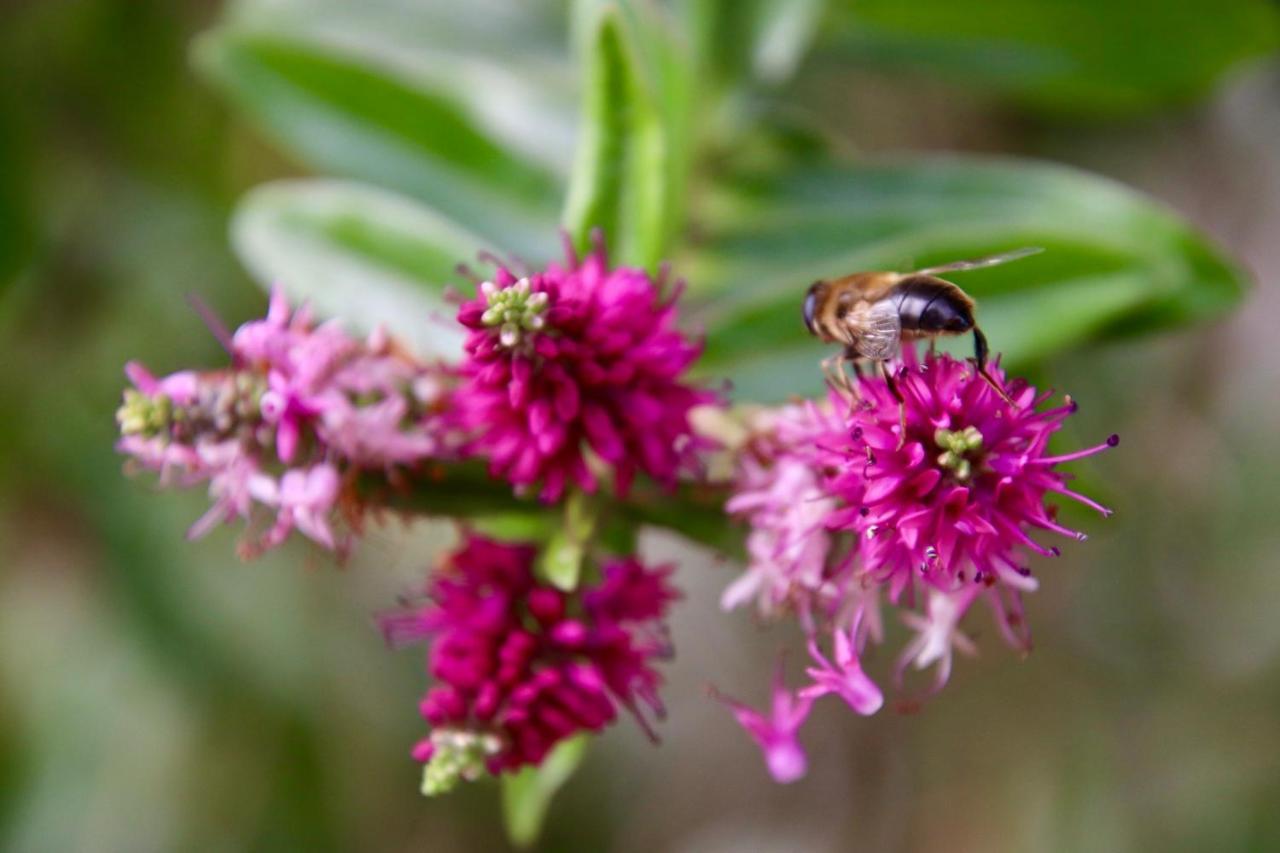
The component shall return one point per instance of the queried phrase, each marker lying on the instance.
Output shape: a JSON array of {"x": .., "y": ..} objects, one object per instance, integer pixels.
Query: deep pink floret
[
  {"x": 958, "y": 500},
  {"x": 523, "y": 665},
  {"x": 576, "y": 370}
]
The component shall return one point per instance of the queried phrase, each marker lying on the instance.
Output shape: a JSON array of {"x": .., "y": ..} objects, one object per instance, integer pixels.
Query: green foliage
[
  {"x": 561, "y": 560},
  {"x": 357, "y": 252},
  {"x": 527, "y": 795},
  {"x": 1085, "y": 56},
  {"x": 446, "y": 130},
  {"x": 621, "y": 180},
  {"x": 345, "y": 113},
  {"x": 679, "y": 123}
]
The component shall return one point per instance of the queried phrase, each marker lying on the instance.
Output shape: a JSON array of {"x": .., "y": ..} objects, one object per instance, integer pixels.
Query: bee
[{"x": 872, "y": 313}]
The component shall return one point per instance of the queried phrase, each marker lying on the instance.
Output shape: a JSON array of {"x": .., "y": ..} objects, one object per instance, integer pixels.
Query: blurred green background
[{"x": 157, "y": 694}]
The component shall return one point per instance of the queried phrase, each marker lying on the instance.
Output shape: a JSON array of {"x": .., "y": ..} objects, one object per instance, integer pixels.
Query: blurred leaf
[
  {"x": 785, "y": 30},
  {"x": 619, "y": 181},
  {"x": 561, "y": 559},
  {"x": 1115, "y": 263},
  {"x": 512, "y": 52},
  {"x": 763, "y": 40},
  {"x": 359, "y": 253},
  {"x": 1086, "y": 56},
  {"x": 347, "y": 113},
  {"x": 526, "y": 795},
  {"x": 17, "y": 220}
]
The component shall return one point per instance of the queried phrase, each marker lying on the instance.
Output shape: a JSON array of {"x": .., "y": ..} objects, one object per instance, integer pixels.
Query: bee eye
[{"x": 810, "y": 306}]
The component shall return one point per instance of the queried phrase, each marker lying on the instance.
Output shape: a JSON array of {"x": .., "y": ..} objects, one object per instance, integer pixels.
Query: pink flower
[
  {"x": 846, "y": 678},
  {"x": 778, "y": 490},
  {"x": 938, "y": 634},
  {"x": 236, "y": 482},
  {"x": 956, "y": 501},
  {"x": 306, "y": 499},
  {"x": 301, "y": 407},
  {"x": 575, "y": 362},
  {"x": 776, "y": 734},
  {"x": 520, "y": 665},
  {"x": 846, "y": 513}
]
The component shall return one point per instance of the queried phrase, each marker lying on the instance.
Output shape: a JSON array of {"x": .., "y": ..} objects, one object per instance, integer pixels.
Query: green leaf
[
  {"x": 739, "y": 41},
  {"x": 1092, "y": 56},
  {"x": 1115, "y": 262},
  {"x": 527, "y": 795},
  {"x": 561, "y": 560},
  {"x": 404, "y": 126},
  {"x": 620, "y": 181},
  {"x": 359, "y": 253},
  {"x": 17, "y": 219}
]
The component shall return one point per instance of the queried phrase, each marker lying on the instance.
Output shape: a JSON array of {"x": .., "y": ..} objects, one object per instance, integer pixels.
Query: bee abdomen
[{"x": 932, "y": 306}]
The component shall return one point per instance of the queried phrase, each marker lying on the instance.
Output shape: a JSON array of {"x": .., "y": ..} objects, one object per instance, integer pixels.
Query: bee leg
[
  {"x": 902, "y": 404},
  {"x": 833, "y": 372},
  {"x": 980, "y": 357}
]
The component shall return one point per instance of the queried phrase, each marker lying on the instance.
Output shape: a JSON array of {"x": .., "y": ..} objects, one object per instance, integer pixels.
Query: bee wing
[
  {"x": 979, "y": 263},
  {"x": 879, "y": 331}
]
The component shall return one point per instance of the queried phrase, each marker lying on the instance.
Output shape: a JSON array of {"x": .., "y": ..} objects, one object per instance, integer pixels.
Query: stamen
[
  {"x": 1076, "y": 496},
  {"x": 1112, "y": 441},
  {"x": 514, "y": 310},
  {"x": 211, "y": 321},
  {"x": 1047, "y": 524},
  {"x": 570, "y": 253},
  {"x": 598, "y": 246}
]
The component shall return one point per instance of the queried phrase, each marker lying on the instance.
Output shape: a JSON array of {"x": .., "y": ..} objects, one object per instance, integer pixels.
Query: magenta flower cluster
[
  {"x": 849, "y": 514},
  {"x": 520, "y": 666},
  {"x": 573, "y": 383},
  {"x": 577, "y": 371},
  {"x": 302, "y": 409},
  {"x": 572, "y": 378}
]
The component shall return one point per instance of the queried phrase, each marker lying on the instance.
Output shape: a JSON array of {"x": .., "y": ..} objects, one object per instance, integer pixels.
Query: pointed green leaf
[
  {"x": 527, "y": 795},
  {"x": 360, "y": 114},
  {"x": 740, "y": 41},
  {"x": 360, "y": 253},
  {"x": 1093, "y": 56},
  {"x": 620, "y": 181},
  {"x": 561, "y": 560},
  {"x": 1115, "y": 262}
]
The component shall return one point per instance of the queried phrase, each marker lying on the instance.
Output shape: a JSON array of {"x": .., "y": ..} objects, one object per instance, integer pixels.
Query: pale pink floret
[
  {"x": 181, "y": 387},
  {"x": 305, "y": 501},
  {"x": 776, "y": 734},
  {"x": 779, "y": 491},
  {"x": 938, "y": 635},
  {"x": 845, "y": 678},
  {"x": 236, "y": 482},
  {"x": 301, "y": 407}
]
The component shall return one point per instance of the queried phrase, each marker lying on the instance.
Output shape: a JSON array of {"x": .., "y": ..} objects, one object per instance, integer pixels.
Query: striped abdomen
[{"x": 931, "y": 306}]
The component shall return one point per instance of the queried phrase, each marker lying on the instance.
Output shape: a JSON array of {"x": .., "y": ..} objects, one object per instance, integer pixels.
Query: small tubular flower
[
  {"x": 520, "y": 665},
  {"x": 776, "y": 734},
  {"x": 576, "y": 370},
  {"x": 845, "y": 678}
]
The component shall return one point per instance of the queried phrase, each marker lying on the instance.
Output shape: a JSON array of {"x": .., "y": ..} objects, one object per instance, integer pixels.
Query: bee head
[{"x": 811, "y": 300}]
